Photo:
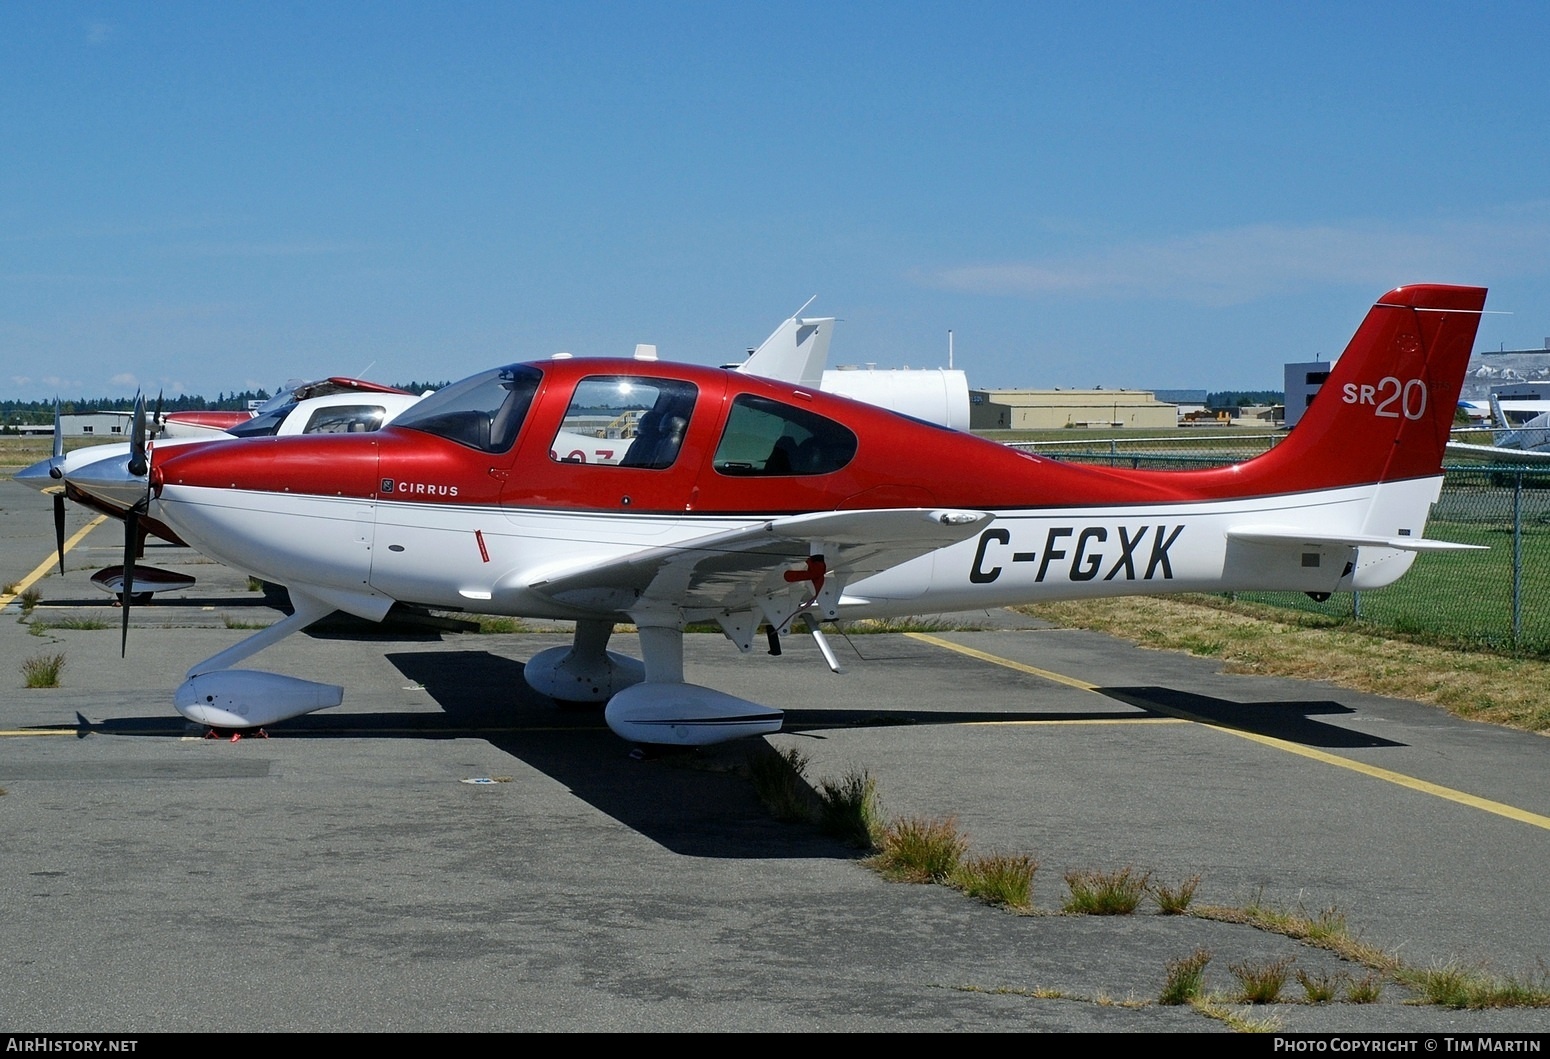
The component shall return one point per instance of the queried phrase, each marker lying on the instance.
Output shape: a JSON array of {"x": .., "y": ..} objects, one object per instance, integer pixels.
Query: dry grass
[
  {"x": 42, "y": 671},
  {"x": 920, "y": 849},
  {"x": 18, "y": 451},
  {"x": 1004, "y": 879},
  {"x": 1251, "y": 638},
  {"x": 1261, "y": 983},
  {"x": 1105, "y": 893},
  {"x": 1185, "y": 980}
]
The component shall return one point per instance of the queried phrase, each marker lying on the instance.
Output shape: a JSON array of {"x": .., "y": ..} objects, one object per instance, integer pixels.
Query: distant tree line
[
  {"x": 1244, "y": 398},
  {"x": 16, "y": 412}
]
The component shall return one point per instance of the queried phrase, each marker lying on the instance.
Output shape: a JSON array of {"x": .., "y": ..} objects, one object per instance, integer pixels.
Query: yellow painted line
[
  {"x": 1511, "y": 812},
  {"x": 43, "y": 568},
  {"x": 1058, "y": 678},
  {"x": 1066, "y": 722}
]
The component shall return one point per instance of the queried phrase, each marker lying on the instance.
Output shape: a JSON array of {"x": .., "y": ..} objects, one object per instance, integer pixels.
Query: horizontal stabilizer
[
  {"x": 1497, "y": 453},
  {"x": 1302, "y": 538}
]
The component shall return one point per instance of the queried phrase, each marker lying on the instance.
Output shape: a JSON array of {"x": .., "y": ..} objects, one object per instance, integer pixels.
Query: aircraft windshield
[
  {"x": 483, "y": 412},
  {"x": 266, "y": 424}
]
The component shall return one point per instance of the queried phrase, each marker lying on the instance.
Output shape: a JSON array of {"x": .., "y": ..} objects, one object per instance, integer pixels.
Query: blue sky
[{"x": 201, "y": 197}]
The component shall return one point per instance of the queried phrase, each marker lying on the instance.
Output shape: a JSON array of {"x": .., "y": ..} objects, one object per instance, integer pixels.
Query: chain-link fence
[{"x": 1497, "y": 600}]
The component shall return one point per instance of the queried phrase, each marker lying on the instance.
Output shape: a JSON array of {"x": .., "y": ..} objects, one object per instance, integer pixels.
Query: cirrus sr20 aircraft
[{"x": 754, "y": 504}]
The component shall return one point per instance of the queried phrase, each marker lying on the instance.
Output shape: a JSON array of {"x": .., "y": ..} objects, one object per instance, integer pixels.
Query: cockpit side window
[
  {"x": 346, "y": 419},
  {"x": 764, "y": 437},
  {"x": 483, "y": 412},
  {"x": 625, "y": 421}
]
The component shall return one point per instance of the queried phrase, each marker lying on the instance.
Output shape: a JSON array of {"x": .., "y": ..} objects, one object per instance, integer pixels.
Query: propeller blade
[
  {"x": 59, "y": 442},
  {"x": 59, "y": 529},
  {"x": 156, "y": 416},
  {"x": 131, "y": 526},
  {"x": 138, "y": 463}
]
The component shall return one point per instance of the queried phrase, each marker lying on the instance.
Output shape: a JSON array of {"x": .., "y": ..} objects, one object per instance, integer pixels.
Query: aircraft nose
[
  {"x": 110, "y": 481},
  {"x": 39, "y": 476}
]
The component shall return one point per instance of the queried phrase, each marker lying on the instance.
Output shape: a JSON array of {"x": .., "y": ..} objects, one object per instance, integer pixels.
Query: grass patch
[
  {"x": 495, "y": 625},
  {"x": 1320, "y": 987},
  {"x": 1326, "y": 930},
  {"x": 81, "y": 623},
  {"x": 1003, "y": 879},
  {"x": 1367, "y": 989},
  {"x": 255, "y": 585},
  {"x": 237, "y": 623},
  {"x": 1098, "y": 893},
  {"x": 1235, "y": 1021},
  {"x": 1175, "y": 900},
  {"x": 1273, "y": 641},
  {"x": 1453, "y": 985},
  {"x": 1261, "y": 983},
  {"x": 870, "y": 626},
  {"x": 849, "y": 809},
  {"x": 42, "y": 671},
  {"x": 920, "y": 849},
  {"x": 30, "y": 599},
  {"x": 780, "y": 780},
  {"x": 1184, "y": 979}
]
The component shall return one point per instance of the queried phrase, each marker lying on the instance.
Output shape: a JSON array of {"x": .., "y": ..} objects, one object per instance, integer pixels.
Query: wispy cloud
[
  {"x": 98, "y": 32},
  {"x": 1237, "y": 265},
  {"x": 286, "y": 249}
]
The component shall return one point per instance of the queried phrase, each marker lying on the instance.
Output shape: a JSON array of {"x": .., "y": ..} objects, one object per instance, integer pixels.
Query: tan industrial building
[{"x": 1055, "y": 409}]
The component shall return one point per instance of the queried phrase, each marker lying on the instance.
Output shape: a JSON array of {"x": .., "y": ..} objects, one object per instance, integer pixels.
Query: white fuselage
[{"x": 483, "y": 558}]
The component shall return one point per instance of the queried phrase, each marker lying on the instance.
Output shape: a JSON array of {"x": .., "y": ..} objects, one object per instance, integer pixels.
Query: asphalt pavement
[{"x": 450, "y": 851}]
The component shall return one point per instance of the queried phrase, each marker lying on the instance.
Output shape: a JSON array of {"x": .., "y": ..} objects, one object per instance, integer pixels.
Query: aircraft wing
[
  {"x": 744, "y": 572},
  {"x": 1496, "y": 453}
]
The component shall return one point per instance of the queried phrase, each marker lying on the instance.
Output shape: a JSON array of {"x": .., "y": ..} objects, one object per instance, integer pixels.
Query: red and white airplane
[{"x": 753, "y": 503}]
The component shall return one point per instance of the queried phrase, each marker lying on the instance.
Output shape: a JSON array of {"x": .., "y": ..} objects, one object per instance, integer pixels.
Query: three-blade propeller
[
  {"x": 56, "y": 472},
  {"x": 139, "y": 466}
]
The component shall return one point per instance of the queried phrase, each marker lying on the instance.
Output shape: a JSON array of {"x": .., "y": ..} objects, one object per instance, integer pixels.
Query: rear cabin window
[
  {"x": 767, "y": 438},
  {"x": 625, "y": 421}
]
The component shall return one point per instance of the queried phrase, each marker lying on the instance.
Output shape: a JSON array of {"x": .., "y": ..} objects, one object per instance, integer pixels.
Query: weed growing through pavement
[
  {"x": 1185, "y": 978},
  {"x": 780, "y": 781},
  {"x": 1099, "y": 893},
  {"x": 1004, "y": 879},
  {"x": 849, "y": 809},
  {"x": 1453, "y": 985},
  {"x": 81, "y": 623},
  {"x": 1174, "y": 900},
  {"x": 30, "y": 599},
  {"x": 42, "y": 671},
  {"x": 1365, "y": 990},
  {"x": 1321, "y": 987},
  {"x": 920, "y": 849},
  {"x": 1261, "y": 983}
]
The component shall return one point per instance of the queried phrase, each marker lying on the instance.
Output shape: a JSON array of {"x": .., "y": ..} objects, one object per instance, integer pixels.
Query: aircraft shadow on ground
[
  {"x": 693, "y": 804},
  {"x": 1292, "y": 721},
  {"x": 697, "y": 804}
]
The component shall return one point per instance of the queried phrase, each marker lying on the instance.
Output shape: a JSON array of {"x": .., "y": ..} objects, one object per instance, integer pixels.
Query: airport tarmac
[{"x": 449, "y": 851}]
